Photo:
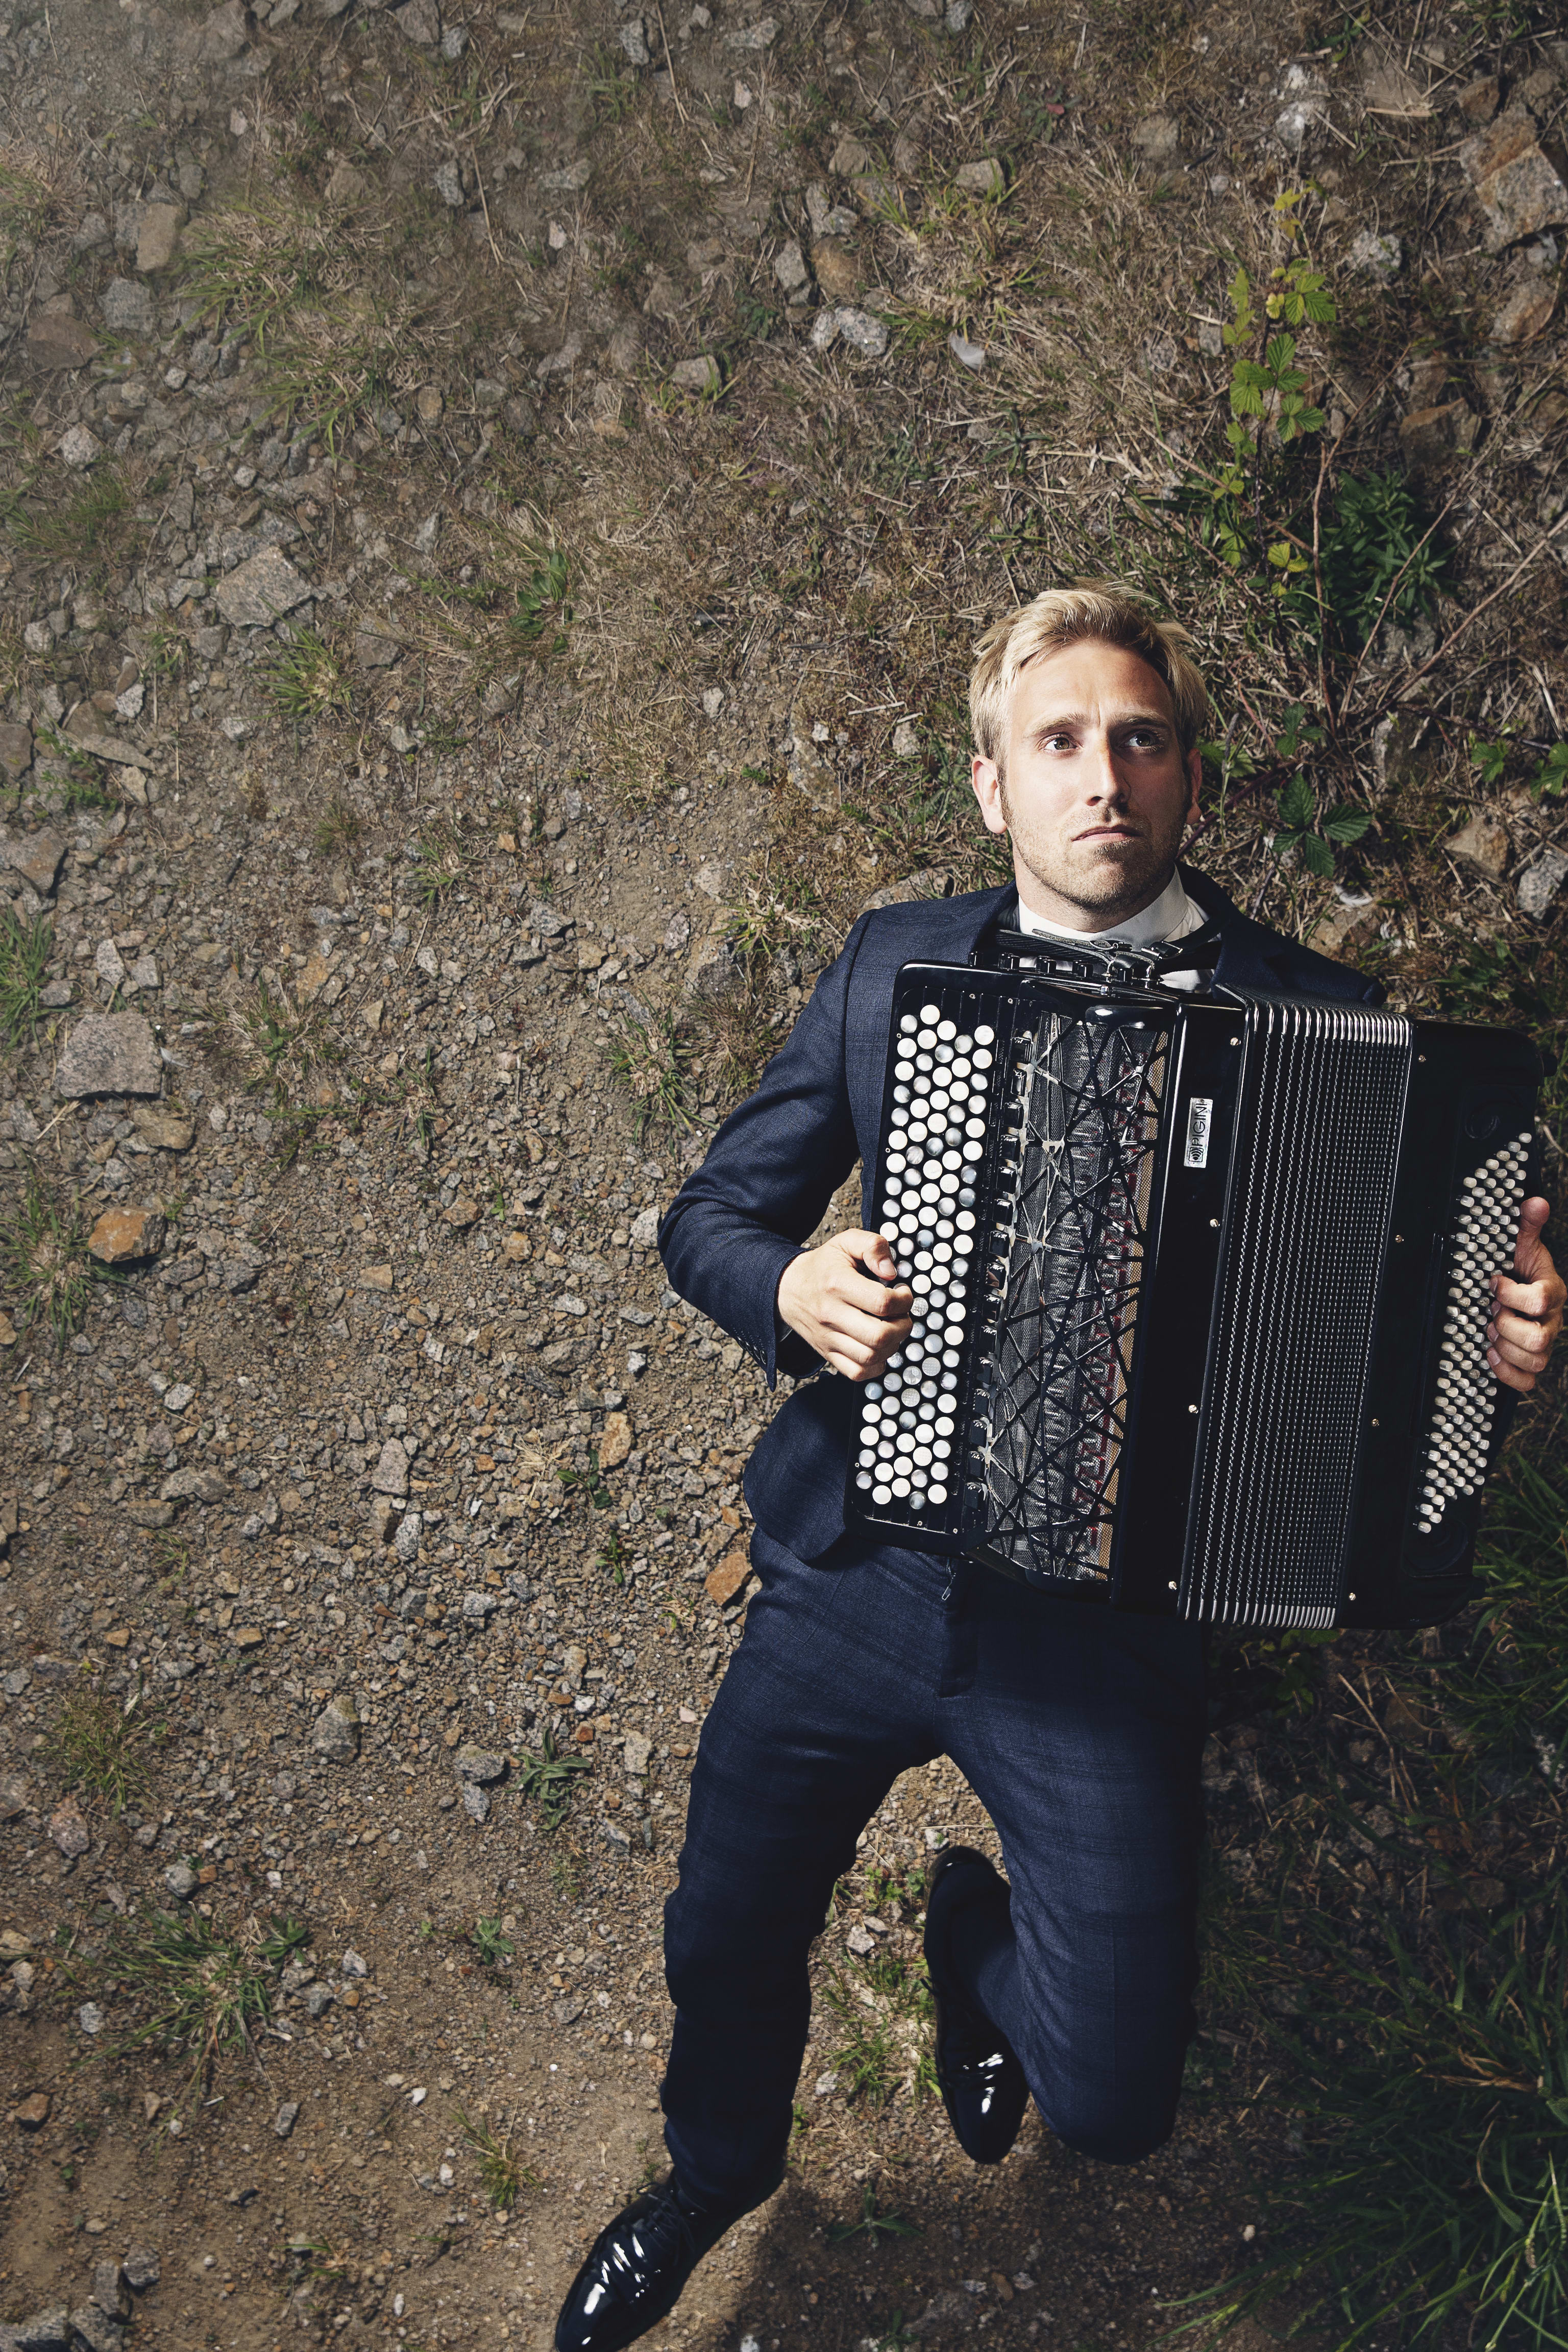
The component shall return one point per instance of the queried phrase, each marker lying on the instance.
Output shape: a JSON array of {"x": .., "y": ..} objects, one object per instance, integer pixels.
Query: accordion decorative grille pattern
[
  {"x": 1316, "y": 1159},
  {"x": 1048, "y": 1451}
]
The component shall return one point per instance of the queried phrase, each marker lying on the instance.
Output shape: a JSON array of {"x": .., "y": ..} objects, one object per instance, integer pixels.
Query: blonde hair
[{"x": 1090, "y": 610}]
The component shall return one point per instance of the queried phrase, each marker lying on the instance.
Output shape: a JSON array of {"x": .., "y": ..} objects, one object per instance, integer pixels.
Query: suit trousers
[{"x": 1080, "y": 1732}]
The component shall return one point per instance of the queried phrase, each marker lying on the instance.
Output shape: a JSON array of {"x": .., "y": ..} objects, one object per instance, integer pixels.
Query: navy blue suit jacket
[{"x": 776, "y": 1162}]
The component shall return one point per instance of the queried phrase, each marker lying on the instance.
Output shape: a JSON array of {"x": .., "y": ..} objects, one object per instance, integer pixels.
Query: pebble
[
  {"x": 109, "y": 1054},
  {"x": 476, "y": 1802},
  {"x": 90, "y": 2017},
  {"x": 336, "y": 1734},
  {"x": 141, "y": 2268},
  {"x": 181, "y": 1881},
  {"x": 1540, "y": 882},
  {"x": 286, "y": 2117},
  {"x": 480, "y": 1765}
]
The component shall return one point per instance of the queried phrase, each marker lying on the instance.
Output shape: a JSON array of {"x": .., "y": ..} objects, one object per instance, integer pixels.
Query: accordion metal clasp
[{"x": 1201, "y": 1286}]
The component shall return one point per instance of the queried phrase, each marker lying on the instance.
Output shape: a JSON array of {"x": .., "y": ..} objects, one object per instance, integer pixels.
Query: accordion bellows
[{"x": 1201, "y": 1287}]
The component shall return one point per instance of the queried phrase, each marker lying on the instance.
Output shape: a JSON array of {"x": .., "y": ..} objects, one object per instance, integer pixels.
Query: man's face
[{"x": 1094, "y": 791}]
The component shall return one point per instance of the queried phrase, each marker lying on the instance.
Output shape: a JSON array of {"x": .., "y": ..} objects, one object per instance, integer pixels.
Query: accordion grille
[
  {"x": 1072, "y": 1238},
  {"x": 1324, "y": 1102}
]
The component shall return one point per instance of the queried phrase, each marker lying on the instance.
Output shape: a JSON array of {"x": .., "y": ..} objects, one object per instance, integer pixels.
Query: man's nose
[{"x": 1105, "y": 782}]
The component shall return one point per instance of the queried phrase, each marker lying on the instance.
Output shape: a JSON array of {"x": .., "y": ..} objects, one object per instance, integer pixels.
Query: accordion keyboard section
[
  {"x": 1323, "y": 1097},
  {"x": 1456, "y": 1444},
  {"x": 1072, "y": 1219},
  {"x": 908, "y": 1467}
]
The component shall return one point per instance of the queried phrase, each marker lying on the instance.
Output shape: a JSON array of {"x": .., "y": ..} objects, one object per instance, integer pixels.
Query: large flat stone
[
  {"x": 60, "y": 342},
  {"x": 109, "y": 1054},
  {"x": 261, "y": 589},
  {"x": 1518, "y": 187},
  {"x": 122, "y": 1235},
  {"x": 127, "y": 308},
  {"x": 158, "y": 236},
  {"x": 36, "y": 858}
]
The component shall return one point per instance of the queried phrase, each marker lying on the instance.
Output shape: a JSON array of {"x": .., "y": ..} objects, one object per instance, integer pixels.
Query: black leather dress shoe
[
  {"x": 639, "y": 2266},
  {"x": 982, "y": 2082}
]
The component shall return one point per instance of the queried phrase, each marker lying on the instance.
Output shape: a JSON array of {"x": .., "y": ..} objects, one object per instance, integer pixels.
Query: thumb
[{"x": 1529, "y": 1250}]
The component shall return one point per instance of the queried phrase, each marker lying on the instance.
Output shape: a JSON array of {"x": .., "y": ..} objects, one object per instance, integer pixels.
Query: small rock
[
  {"x": 165, "y": 1131},
  {"x": 478, "y": 1608},
  {"x": 697, "y": 376},
  {"x": 636, "y": 1751},
  {"x": 791, "y": 270},
  {"x": 447, "y": 180},
  {"x": 36, "y": 858},
  {"x": 477, "y": 1764},
  {"x": 1377, "y": 253},
  {"x": 862, "y": 332},
  {"x": 1158, "y": 138},
  {"x": 462, "y": 1214},
  {"x": 127, "y": 308},
  {"x": 348, "y": 185},
  {"x": 984, "y": 177},
  {"x": 353, "y": 1964},
  {"x": 476, "y": 1802},
  {"x": 58, "y": 341},
  {"x": 614, "y": 1441},
  {"x": 122, "y": 1235},
  {"x": 860, "y": 1940},
  {"x": 181, "y": 1881},
  {"x": 193, "y": 1485},
  {"x": 906, "y": 741},
  {"x": 90, "y": 2017},
  {"x": 45, "y": 2331},
  {"x": 419, "y": 21},
  {"x": 634, "y": 41},
  {"x": 94, "y": 2328},
  {"x": 1478, "y": 100},
  {"x": 79, "y": 448},
  {"x": 722, "y": 1583},
  {"x": 454, "y": 43},
  {"x": 1429, "y": 436},
  {"x": 68, "y": 1829},
  {"x": 1526, "y": 310},
  {"x": 566, "y": 2012},
  {"x": 283, "y": 2122},
  {"x": 16, "y": 751},
  {"x": 1517, "y": 188},
  {"x": 31, "y": 2113},
  {"x": 109, "y": 2289},
  {"x": 261, "y": 589},
  {"x": 158, "y": 236},
  {"x": 759, "y": 35},
  {"x": 177, "y": 1396},
  {"x": 109, "y": 1054},
  {"x": 1540, "y": 881},
  {"x": 336, "y": 1732},
  {"x": 390, "y": 1475},
  {"x": 1481, "y": 843},
  {"x": 838, "y": 273}
]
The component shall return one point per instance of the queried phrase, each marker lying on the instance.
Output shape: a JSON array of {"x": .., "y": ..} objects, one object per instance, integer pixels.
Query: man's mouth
[{"x": 1110, "y": 833}]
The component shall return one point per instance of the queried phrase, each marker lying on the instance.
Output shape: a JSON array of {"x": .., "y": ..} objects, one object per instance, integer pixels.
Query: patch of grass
[
  {"x": 613, "y": 91},
  {"x": 440, "y": 865},
  {"x": 651, "y": 1060},
  {"x": 1433, "y": 2093},
  {"x": 541, "y": 615},
  {"x": 95, "y": 522},
  {"x": 1512, "y": 1690},
  {"x": 498, "y": 2159},
  {"x": 206, "y": 1988},
  {"x": 307, "y": 680},
  {"x": 44, "y": 1260},
  {"x": 338, "y": 828},
  {"x": 737, "y": 1035},
  {"x": 1381, "y": 558},
  {"x": 24, "y": 950},
  {"x": 867, "y": 2061},
  {"x": 550, "y": 1779},
  {"x": 285, "y": 1040},
  {"x": 101, "y": 1748}
]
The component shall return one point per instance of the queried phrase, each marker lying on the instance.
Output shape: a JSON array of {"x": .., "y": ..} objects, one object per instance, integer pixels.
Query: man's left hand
[{"x": 1526, "y": 1307}]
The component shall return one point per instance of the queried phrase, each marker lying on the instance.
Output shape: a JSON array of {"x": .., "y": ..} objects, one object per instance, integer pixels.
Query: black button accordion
[{"x": 1201, "y": 1286}]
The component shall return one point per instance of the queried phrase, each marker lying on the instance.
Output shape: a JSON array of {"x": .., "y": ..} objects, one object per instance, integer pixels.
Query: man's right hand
[{"x": 845, "y": 1301}]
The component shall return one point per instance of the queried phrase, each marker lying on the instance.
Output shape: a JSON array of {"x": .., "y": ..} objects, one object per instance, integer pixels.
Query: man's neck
[{"x": 1043, "y": 909}]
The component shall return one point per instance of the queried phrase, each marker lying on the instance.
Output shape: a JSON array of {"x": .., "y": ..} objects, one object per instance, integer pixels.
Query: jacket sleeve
[{"x": 769, "y": 1175}]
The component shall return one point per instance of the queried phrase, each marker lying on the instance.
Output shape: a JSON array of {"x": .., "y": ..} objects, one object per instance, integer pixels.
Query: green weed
[
  {"x": 492, "y": 1945},
  {"x": 1381, "y": 560},
  {"x": 44, "y": 1261},
  {"x": 307, "y": 680},
  {"x": 651, "y": 1060},
  {"x": 873, "y": 2223},
  {"x": 102, "y": 1750},
  {"x": 24, "y": 950},
  {"x": 550, "y": 1778},
  {"x": 338, "y": 828},
  {"x": 498, "y": 2159},
  {"x": 206, "y": 1988}
]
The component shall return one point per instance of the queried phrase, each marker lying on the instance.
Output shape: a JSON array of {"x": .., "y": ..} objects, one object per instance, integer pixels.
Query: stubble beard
[{"x": 1111, "y": 888}]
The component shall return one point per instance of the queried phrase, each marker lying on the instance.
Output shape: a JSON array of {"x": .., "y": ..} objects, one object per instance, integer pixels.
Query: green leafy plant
[
  {"x": 1314, "y": 837},
  {"x": 491, "y": 1942},
  {"x": 1380, "y": 558},
  {"x": 1552, "y": 776},
  {"x": 549, "y": 1780},
  {"x": 872, "y": 2222},
  {"x": 541, "y": 616}
]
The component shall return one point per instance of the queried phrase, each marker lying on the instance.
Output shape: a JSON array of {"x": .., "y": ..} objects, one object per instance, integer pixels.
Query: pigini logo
[{"x": 1200, "y": 1117}]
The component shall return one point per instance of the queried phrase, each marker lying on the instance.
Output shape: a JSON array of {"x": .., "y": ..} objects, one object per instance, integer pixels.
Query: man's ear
[
  {"x": 986, "y": 777},
  {"x": 1195, "y": 780}
]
